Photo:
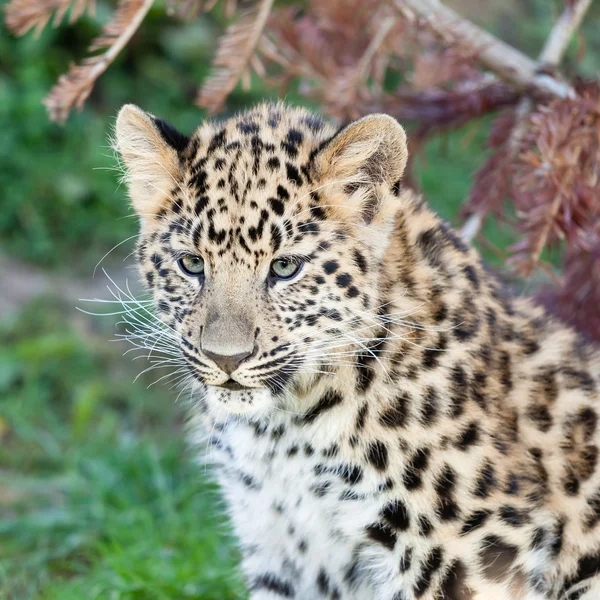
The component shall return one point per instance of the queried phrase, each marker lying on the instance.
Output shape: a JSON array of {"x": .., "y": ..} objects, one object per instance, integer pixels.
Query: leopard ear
[
  {"x": 151, "y": 150},
  {"x": 369, "y": 152}
]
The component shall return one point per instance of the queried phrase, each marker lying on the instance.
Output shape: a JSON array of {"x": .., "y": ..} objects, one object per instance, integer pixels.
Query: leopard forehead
[
  {"x": 264, "y": 178},
  {"x": 246, "y": 177}
]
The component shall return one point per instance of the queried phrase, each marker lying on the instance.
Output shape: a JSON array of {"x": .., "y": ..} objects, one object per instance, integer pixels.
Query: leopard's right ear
[{"x": 151, "y": 150}]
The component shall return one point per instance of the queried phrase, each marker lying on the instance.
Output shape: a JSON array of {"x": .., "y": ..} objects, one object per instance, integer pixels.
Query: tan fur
[
  {"x": 153, "y": 168},
  {"x": 407, "y": 429}
]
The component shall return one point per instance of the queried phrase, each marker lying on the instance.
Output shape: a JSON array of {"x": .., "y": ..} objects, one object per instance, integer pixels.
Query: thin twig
[
  {"x": 73, "y": 88},
  {"x": 234, "y": 55},
  {"x": 502, "y": 59},
  {"x": 562, "y": 32}
]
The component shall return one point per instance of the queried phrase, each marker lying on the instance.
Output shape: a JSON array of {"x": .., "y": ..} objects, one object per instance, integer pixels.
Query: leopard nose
[{"x": 228, "y": 363}]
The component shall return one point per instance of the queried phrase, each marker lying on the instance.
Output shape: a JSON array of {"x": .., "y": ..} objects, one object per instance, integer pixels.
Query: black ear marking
[{"x": 177, "y": 140}]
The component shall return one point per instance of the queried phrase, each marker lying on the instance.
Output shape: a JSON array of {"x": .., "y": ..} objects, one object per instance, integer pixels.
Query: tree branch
[{"x": 502, "y": 59}]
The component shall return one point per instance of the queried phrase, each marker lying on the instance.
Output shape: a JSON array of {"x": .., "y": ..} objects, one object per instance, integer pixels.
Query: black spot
[
  {"x": 289, "y": 149},
  {"x": 557, "y": 536},
  {"x": 474, "y": 521},
  {"x": 343, "y": 279},
  {"x": 453, "y": 586},
  {"x": 453, "y": 238},
  {"x": 282, "y": 193},
  {"x": 272, "y": 583},
  {"x": 444, "y": 486},
  {"x": 362, "y": 416},
  {"x": 294, "y": 137},
  {"x": 331, "y": 266},
  {"x": 432, "y": 564},
  {"x": 273, "y": 163},
  {"x": 396, "y": 514},
  {"x": 382, "y": 534},
  {"x": 468, "y": 437},
  {"x": 538, "y": 539},
  {"x": 431, "y": 246},
  {"x": 365, "y": 372},
  {"x": 471, "y": 275},
  {"x": 570, "y": 484},
  {"x": 540, "y": 415},
  {"x": 406, "y": 560},
  {"x": 359, "y": 260},
  {"x": 430, "y": 358},
  {"x": 323, "y": 581},
  {"x": 293, "y": 175},
  {"x": 460, "y": 390},
  {"x": 217, "y": 141},
  {"x": 276, "y": 238},
  {"x": 578, "y": 379},
  {"x": 587, "y": 566},
  {"x": 496, "y": 557},
  {"x": 397, "y": 414},
  {"x": 248, "y": 127},
  {"x": 486, "y": 481},
  {"x": 414, "y": 469},
  {"x": 377, "y": 455},
  {"x": 351, "y": 474},
  {"x": 276, "y": 206},
  {"x": 326, "y": 402},
  {"x": 429, "y": 408},
  {"x": 425, "y": 526},
  {"x": 169, "y": 134},
  {"x": 513, "y": 516}
]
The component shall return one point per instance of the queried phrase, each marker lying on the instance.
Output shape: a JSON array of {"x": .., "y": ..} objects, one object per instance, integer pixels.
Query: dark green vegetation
[{"x": 99, "y": 496}]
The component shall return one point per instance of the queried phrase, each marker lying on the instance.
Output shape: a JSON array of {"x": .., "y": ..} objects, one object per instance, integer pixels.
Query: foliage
[
  {"x": 61, "y": 204},
  {"x": 417, "y": 64},
  {"x": 97, "y": 498}
]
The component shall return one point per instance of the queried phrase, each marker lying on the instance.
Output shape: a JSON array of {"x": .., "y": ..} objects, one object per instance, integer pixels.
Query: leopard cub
[{"x": 386, "y": 421}]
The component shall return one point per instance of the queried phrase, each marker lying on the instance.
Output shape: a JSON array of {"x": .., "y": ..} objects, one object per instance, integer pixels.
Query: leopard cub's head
[{"x": 261, "y": 240}]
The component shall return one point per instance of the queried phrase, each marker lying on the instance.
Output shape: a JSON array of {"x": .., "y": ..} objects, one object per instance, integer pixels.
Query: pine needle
[
  {"x": 24, "y": 15},
  {"x": 234, "y": 56},
  {"x": 73, "y": 88}
]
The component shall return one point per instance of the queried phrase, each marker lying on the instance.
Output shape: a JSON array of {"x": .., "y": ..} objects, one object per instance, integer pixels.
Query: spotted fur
[{"x": 406, "y": 429}]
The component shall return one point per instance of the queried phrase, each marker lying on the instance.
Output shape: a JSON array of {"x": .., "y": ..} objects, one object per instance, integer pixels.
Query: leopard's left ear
[
  {"x": 151, "y": 150},
  {"x": 370, "y": 151}
]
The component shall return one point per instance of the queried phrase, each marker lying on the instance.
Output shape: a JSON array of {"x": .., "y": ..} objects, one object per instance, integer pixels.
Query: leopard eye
[
  {"x": 191, "y": 264},
  {"x": 286, "y": 268}
]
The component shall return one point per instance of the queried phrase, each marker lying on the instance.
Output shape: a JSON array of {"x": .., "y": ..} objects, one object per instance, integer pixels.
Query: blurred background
[{"x": 99, "y": 495}]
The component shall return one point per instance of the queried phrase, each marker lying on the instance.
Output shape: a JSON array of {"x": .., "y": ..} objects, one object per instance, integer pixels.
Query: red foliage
[
  {"x": 354, "y": 58},
  {"x": 556, "y": 189}
]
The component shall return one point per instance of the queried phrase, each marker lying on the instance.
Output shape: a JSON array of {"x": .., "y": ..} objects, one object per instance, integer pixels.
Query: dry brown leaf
[
  {"x": 73, "y": 88},
  {"x": 234, "y": 54}
]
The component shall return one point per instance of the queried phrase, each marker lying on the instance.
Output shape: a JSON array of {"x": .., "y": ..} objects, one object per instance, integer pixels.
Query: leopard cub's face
[{"x": 261, "y": 241}]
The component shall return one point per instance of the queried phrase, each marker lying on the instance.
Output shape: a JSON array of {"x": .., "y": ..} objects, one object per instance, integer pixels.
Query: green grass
[{"x": 99, "y": 497}]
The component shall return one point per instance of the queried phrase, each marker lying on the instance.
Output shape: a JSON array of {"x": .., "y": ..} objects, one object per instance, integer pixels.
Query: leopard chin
[{"x": 245, "y": 401}]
